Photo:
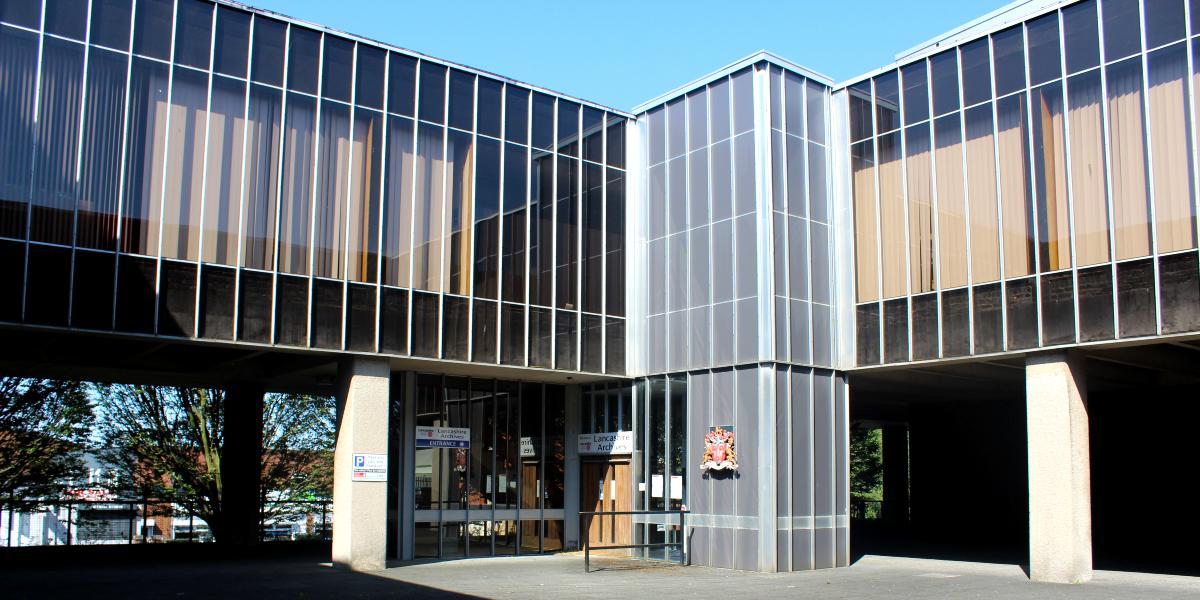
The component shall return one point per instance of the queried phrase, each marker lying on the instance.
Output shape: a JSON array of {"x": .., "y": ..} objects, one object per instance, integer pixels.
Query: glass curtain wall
[
  {"x": 233, "y": 176},
  {"x": 1036, "y": 184},
  {"x": 503, "y": 495},
  {"x": 661, "y": 439}
]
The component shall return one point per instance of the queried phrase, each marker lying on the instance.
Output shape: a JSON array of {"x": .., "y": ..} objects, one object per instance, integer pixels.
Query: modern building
[{"x": 531, "y": 305}]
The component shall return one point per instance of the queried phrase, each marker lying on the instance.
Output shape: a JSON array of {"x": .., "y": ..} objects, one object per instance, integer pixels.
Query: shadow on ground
[{"x": 276, "y": 570}]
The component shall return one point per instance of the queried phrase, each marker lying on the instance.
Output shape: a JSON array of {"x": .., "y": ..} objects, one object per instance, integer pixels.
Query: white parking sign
[{"x": 369, "y": 467}]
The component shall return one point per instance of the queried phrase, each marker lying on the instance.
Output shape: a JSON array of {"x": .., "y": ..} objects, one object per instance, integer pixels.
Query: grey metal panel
[
  {"x": 747, "y": 330},
  {"x": 746, "y": 557},
  {"x": 677, "y": 282},
  {"x": 783, "y": 555},
  {"x": 819, "y": 238},
  {"x": 699, "y": 288},
  {"x": 782, "y": 443},
  {"x": 724, "y": 350},
  {"x": 802, "y": 439},
  {"x": 699, "y": 487},
  {"x": 746, "y": 265},
  {"x": 722, "y": 548},
  {"x": 798, "y": 266},
  {"x": 783, "y": 351},
  {"x": 722, "y": 261},
  {"x": 677, "y": 337},
  {"x": 700, "y": 337},
  {"x": 800, "y": 332},
  {"x": 824, "y": 480},
  {"x": 700, "y": 546},
  {"x": 822, "y": 326},
  {"x": 823, "y": 549},
  {"x": 842, "y": 538},
  {"x": 842, "y": 444},
  {"x": 724, "y": 407},
  {"x": 656, "y": 339},
  {"x": 748, "y": 440},
  {"x": 802, "y": 549},
  {"x": 656, "y": 285}
]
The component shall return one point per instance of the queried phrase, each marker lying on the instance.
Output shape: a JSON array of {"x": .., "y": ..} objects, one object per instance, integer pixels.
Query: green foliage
[
  {"x": 866, "y": 463},
  {"x": 44, "y": 428},
  {"x": 166, "y": 443}
]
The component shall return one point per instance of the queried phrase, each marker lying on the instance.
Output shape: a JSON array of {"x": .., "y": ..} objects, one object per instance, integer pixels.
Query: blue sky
[{"x": 623, "y": 52}]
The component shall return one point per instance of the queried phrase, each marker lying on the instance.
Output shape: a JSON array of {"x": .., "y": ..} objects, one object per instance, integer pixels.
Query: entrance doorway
[{"x": 606, "y": 487}]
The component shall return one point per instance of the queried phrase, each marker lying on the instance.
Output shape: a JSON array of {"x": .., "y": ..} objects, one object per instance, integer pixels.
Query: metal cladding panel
[{"x": 751, "y": 479}]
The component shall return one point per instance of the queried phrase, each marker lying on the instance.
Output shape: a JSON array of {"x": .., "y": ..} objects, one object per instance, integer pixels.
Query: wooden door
[{"x": 606, "y": 487}]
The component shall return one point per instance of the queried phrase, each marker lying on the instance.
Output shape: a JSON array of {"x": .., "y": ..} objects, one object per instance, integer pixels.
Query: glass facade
[
  {"x": 1031, "y": 187},
  {"x": 196, "y": 170}
]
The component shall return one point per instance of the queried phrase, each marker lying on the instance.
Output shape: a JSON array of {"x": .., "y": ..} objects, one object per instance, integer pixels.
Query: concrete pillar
[
  {"x": 360, "y": 507},
  {"x": 1060, "y": 514},
  {"x": 241, "y": 464},
  {"x": 895, "y": 474}
]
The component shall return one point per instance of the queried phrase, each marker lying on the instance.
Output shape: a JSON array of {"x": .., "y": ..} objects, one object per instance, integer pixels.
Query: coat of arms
[{"x": 719, "y": 454}]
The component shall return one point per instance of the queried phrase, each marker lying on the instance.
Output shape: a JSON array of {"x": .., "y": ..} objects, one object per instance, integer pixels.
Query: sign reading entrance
[
  {"x": 443, "y": 437},
  {"x": 611, "y": 442},
  {"x": 369, "y": 467}
]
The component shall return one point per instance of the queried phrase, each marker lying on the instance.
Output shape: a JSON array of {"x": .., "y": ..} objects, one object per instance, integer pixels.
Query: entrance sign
[
  {"x": 369, "y": 467},
  {"x": 527, "y": 449},
  {"x": 612, "y": 442},
  {"x": 443, "y": 437}
]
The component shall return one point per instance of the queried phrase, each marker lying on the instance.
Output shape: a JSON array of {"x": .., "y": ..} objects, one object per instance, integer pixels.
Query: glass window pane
[
  {"x": 541, "y": 234},
  {"x": 920, "y": 207},
  {"x": 146, "y": 152},
  {"x": 924, "y": 327},
  {"x": 1009, "y": 59},
  {"x": 866, "y": 242},
  {"x": 67, "y": 18},
  {"x": 1081, "y": 37},
  {"x": 152, "y": 28},
  {"x": 432, "y": 92},
  {"x": 96, "y": 225},
  {"x": 486, "y": 222},
  {"x": 54, "y": 187},
  {"x": 427, "y": 209},
  {"x": 615, "y": 244},
  {"x": 989, "y": 319},
  {"x": 1058, "y": 308},
  {"x": 329, "y": 204},
  {"x": 1136, "y": 298},
  {"x": 1122, "y": 36},
  {"x": 462, "y": 100},
  {"x": 1085, "y": 100},
  {"x": 1050, "y": 171},
  {"x": 951, "y": 229},
  {"x": 193, "y": 33},
  {"x": 267, "y": 63},
  {"x": 1096, "y": 304},
  {"x": 1170, "y": 145},
  {"x": 860, "y": 111},
  {"x": 512, "y": 334},
  {"x": 568, "y": 128},
  {"x": 110, "y": 23},
  {"x": 397, "y": 201},
  {"x": 460, "y": 154},
  {"x": 185, "y": 165},
  {"x": 338, "y": 68},
  {"x": 1130, "y": 201},
  {"x": 516, "y": 170},
  {"x": 363, "y": 207},
  {"x": 262, "y": 176},
  {"x": 593, "y": 134},
  {"x": 543, "y": 121},
  {"x": 887, "y": 102},
  {"x": 402, "y": 83},
  {"x": 981, "y": 193},
  {"x": 916, "y": 92},
  {"x": 368, "y": 79},
  {"x": 1013, "y": 145},
  {"x": 976, "y": 72},
  {"x": 222, "y": 192},
  {"x": 891, "y": 216},
  {"x": 1021, "y": 303},
  {"x": 945, "y": 81},
  {"x": 488, "y": 119},
  {"x": 26, "y": 14},
  {"x": 304, "y": 51},
  {"x": 299, "y": 145},
  {"x": 593, "y": 239},
  {"x": 567, "y": 247},
  {"x": 516, "y": 114},
  {"x": 1165, "y": 22},
  {"x": 1045, "y": 62},
  {"x": 233, "y": 36},
  {"x": 815, "y": 116},
  {"x": 895, "y": 331}
]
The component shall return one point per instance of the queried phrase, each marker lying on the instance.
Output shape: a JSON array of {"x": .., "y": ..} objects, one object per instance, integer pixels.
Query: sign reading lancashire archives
[
  {"x": 443, "y": 437},
  {"x": 611, "y": 442}
]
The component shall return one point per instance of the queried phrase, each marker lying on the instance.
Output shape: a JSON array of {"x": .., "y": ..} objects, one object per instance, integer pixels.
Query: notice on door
[
  {"x": 443, "y": 437},
  {"x": 369, "y": 467},
  {"x": 612, "y": 442}
]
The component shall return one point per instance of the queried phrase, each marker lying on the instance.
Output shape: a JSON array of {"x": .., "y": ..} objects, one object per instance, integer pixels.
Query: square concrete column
[
  {"x": 241, "y": 464},
  {"x": 360, "y": 507},
  {"x": 1060, "y": 497}
]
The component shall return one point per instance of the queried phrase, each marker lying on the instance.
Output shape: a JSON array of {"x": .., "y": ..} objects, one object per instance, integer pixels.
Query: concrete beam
[
  {"x": 360, "y": 507},
  {"x": 1060, "y": 514}
]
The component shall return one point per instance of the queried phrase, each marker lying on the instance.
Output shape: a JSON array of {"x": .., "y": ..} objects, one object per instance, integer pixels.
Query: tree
[
  {"x": 866, "y": 464},
  {"x": 166, "y": 443},
  {"x": 44, "y": 430}
]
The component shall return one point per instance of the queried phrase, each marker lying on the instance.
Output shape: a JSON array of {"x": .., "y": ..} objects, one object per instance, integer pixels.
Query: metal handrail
[{"x": 587, "y": 542}]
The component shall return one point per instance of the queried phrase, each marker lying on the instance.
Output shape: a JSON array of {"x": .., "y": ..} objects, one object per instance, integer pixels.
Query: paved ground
[{"x": 558, "y": 577}]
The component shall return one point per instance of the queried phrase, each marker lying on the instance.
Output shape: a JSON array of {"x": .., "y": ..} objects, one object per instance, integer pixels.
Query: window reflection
[
  {"x": 951, "y": 230},
  {"x": 1127, "y": 159},
  {"x": 1012, "y": 142},
  {"x": 1050, "y": 169},
  {"x": 1089, "y": 190},
  {"x": 1170, "y": 145}
]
